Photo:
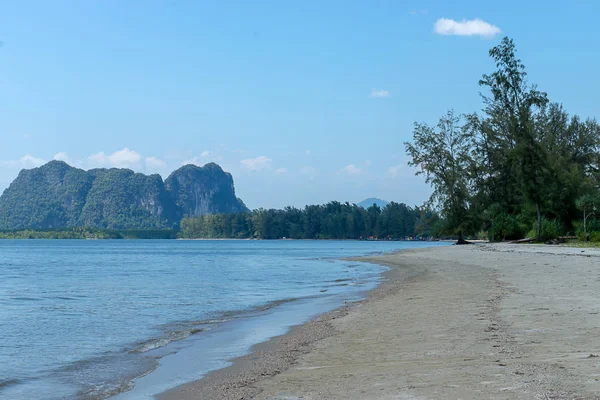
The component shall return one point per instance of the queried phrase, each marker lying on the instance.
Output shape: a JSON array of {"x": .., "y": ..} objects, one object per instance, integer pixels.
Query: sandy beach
[{"x": 462, "y": 322}]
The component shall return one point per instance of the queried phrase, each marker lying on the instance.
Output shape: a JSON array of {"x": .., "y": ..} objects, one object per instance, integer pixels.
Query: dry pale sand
[{"x": 460, "y": 322}]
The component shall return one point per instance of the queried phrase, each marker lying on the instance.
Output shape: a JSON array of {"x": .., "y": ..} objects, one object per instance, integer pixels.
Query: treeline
[
  {"x": 522, "y": 167},
  {"x": 333, "y": 220},
  {"x": 88, "y": 233}
]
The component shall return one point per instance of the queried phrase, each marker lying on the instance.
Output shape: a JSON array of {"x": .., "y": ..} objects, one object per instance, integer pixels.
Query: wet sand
[{"x": 472, "y": 322}]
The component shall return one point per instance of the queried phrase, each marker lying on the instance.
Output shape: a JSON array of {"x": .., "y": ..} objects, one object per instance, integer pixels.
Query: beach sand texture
[{"x": 462, "y": 322}]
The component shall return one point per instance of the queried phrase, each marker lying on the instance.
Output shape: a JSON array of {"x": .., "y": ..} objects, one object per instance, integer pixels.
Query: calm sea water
[{"x": 82, "y": 319}]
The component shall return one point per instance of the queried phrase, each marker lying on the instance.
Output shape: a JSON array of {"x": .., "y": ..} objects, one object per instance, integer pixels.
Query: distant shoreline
[{"x": 133, "y": 234}]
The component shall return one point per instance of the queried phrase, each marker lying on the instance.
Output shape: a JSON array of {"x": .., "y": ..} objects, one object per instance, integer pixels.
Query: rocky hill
[
  {"x": 57, "y": 195},
  {"x": 203, "y": 190}
]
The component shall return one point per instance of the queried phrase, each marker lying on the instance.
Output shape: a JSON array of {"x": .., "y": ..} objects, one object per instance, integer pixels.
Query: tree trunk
[
  {"x": 461, "y": 240},
  {"x": 539, "y": 222}
]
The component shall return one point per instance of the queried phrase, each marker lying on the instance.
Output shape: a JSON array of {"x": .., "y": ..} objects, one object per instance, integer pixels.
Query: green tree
[
  {"x": 442, "y": 154},
  {"x": 511, "y": 109}
]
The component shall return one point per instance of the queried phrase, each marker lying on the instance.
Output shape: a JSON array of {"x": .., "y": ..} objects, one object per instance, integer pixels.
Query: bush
[
  {"x": 551, "y": 229},
  {"x": 593, "y": 229},
  {"x": 482, "y": 235},
  {"x": 509, "y": 227}
]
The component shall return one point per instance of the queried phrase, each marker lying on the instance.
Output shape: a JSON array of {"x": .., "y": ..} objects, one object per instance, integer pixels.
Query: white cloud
[
  {"x": 401, "y": 170},
  {"x": 472, "y": 27},
  {"x": 61, "y": 156},
  {"x": 153, "y": 162},
  {"x": 205, "y": 157},
  {"x": 29, "y": 160},
  {"x": 98, "y": 159},
  {"x": 193, "y": 161},
  {"x": 121, "y": 158},
  {"x": 308, "y": 153},
  {"x": 367, "y": 163},
  {"x": 380, "y": 93},
  {"x": 257, "y": 164},
  {"x": 281, "y": 171},
  {"x": 124, "y": 157},
  {"x": 351, "y": 169},
  {"x": 24, "y": 162}
]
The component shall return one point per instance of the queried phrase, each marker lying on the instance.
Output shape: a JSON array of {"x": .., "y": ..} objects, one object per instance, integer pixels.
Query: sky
[{"x": 302, "y": 101}]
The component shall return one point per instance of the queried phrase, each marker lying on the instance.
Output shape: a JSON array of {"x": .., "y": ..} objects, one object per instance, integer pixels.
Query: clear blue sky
[{"x": 303, "y": 102}]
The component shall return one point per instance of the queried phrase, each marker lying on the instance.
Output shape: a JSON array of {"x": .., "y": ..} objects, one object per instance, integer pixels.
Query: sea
[{"x": 128, "y": 319}]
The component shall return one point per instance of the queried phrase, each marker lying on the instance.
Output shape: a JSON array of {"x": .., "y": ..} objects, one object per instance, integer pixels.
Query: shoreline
[
  {"x": 267, "y": 359},
  {"x": 490, "y": 321},
  {"x": 155, "y": 383}
]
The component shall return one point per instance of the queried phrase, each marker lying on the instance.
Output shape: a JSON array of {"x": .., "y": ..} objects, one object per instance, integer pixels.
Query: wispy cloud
[
  {"x": 121, "y": 158},
  {"x": 257, "y": 164},
  {"x": 61, "y": 156},
  {"x": 351, "y": 169},
  {"x": 472, "y": 27},
  {"x": 99, "y": 159},
  {"x": 419, "y": 12},
  {"x": 124, "y": 157},
  {"x": 154, "y": 163},
  {"x": 401, "y": 170},
  {"x": 31, "y": 160},
  {"x": 308, "y": 153},
  {"x": 193, "y": 161},
  {"x": 380, "y": 93},
  {"x": 204, "y": 157},
  {"x": 280, "y": 171},
  {"x": 27, "y": 161}
]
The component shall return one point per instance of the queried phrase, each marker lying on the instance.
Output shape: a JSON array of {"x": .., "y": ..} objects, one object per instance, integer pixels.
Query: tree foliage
[
  {"x": 522, "y": 162},
  {"x": 442, "y": 154},
  {"x": 333, "y": 220}
]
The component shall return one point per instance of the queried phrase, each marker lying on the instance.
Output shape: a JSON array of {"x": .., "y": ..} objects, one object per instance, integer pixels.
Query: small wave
[
  {"x": 153, "y": 344},
  {"x": 213, "y": 321},
  {"x": 276, "y": 303},
  {"x": 4, "y": 383},
  {"x": 330, "y": 260},
  {"x": 26, "y": 298},
  {"x": 343, "y": 280}
]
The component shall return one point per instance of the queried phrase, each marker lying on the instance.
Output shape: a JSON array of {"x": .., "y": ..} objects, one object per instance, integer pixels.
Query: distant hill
[
  {"x": 57, "y": 195},
  {"x": 370, "y": 201}
]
